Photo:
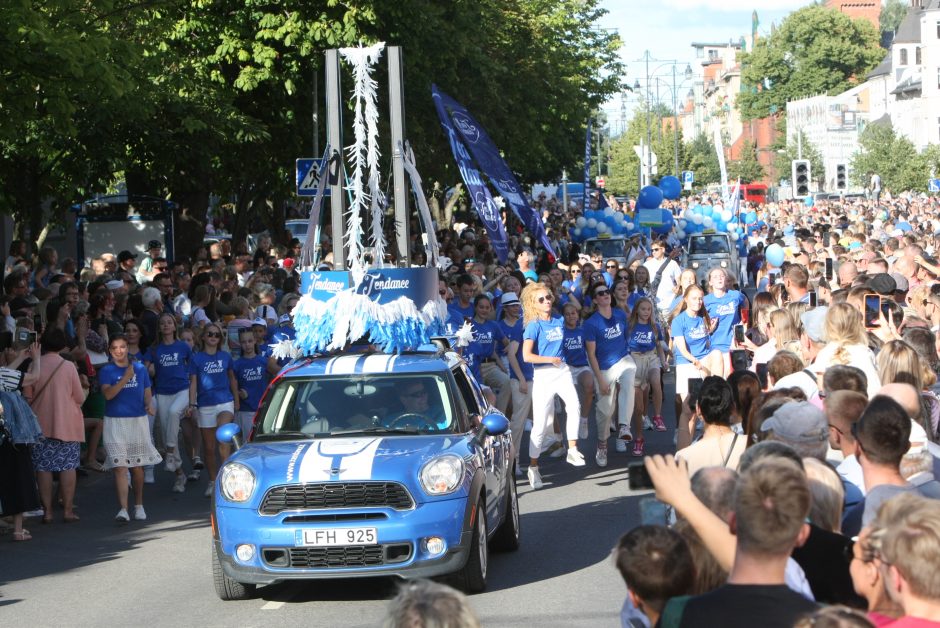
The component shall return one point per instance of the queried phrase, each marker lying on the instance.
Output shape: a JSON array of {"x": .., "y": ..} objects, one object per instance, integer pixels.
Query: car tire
[
  {"x": 506, "y": 538},
  {"x": 472, "y": 578},
  {"x": 227, "y": 588}
]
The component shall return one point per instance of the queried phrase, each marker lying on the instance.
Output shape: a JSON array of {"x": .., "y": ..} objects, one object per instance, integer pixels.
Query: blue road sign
[
  {"x": 307, "y": 177},
  {"x": 933, "y": 185},
  {"x": 688, "y": 176}
]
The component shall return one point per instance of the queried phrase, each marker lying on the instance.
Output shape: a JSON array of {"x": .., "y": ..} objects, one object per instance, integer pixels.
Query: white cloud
[{"x": 736, "y": 5}]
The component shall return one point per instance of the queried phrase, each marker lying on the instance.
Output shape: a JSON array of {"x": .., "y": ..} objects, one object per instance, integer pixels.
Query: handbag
[{"x": 730, "y": 450}]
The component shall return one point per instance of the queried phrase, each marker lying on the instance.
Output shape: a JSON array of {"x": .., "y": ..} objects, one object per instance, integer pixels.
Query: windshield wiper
[
  {"x": 284, "y": 435},
  {"x": 379, "y": 430}
]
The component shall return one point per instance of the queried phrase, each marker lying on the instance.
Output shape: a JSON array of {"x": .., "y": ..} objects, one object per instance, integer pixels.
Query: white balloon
[
  {"x": 707, "y": 222},
  {"x": 608, "y": 211},
  {"x": 688, "y": 213},
  {"x": 734, "y": 236},
  {"x": 591, "y": 223},
  {"x": 698, "y": 218},
  {"x": 602, "y": 227},
  {"x": 577, "y": 233},
  {"x": 683, "y": 224},
  {"x": 680, "y": 234},
  {"x": 620, "y": 217},
  {"x": 727, "y": 215},
  {"x": 629, "y": 226},
  {"x": 581, "y": 221}
]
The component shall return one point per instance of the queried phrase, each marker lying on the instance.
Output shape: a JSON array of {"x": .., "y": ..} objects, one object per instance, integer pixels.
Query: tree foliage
[
  {"x": 747, "y": 167},
  {"x": 892, "y": 14},
  {"x": 815, "y": 50},
  {"x": 893, "y": 157},
  {"x": 624, "y": 166},
  {"x": 702, "y": 160}
]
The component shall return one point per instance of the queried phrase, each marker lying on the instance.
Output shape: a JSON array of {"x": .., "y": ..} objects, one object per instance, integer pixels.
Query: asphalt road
[{"x": 157, "y": 572}]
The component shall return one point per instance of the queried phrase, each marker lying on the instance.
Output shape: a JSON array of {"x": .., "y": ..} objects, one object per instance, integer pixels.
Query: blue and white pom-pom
[
  {"x": 285, "y": 350},
  {"x": 464, "y": 334}
]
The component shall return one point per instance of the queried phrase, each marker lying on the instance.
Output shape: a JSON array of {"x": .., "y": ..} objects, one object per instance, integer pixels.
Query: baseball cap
[
  {"x": 509, "y": 298},
  {"x": 798, "y": 422},
  {"x": 126, "y": 255},
  {"x": 259, "y": 322},
  {"x": 154, "y": 244},
  {"x": 883, "y": 284},
  {"x": 814, "y": 323},
  {"x": 114, "y": 284},
  {"x": 285, "y": 318},
  {"x": 21, "y": 303}
]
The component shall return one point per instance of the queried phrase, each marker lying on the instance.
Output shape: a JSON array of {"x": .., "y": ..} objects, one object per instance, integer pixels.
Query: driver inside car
[{"x": 415, "y": 399}]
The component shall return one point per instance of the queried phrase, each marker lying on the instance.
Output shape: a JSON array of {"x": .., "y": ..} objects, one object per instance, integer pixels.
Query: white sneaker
[
  {"x": 179, "y": 486},
  {"x": 625, "y": 434},
  {"x": 209, "y": 490},
  {"x": 583, "y": 428},
  {"x": 30, "y": 514},
  {"x": 620, "y": 445},
  {"x": 647, "y": 424},
  {"x": 575, "y": 458},
  {"x": 139, "y": 513},
  {"x": 535, "y": 478},
  {"x": 601, "y": 457},
  {"x": 193, "y": 476},
  {"x": 122, "y": 516},
  {"x": 148, "y": 475},
  {"x": 173, "y": 462}
]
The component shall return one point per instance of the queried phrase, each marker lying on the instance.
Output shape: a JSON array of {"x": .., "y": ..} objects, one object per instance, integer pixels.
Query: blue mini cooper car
[{"x": 366, "y": 465}]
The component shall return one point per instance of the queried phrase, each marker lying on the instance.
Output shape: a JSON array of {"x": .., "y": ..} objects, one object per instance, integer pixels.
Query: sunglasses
[
  {"x": 212, "y": 334},
  {"x": 575, "y": 272},
  {"x": 612, "y": 266},
  {"x": 602, "y": 293},
  {"x": 547, "y": 297}
]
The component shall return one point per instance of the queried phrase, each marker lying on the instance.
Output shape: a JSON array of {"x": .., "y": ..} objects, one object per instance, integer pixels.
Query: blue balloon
[
  {"x": 775, "y": 255},
  {"x": 708, "y": 210},
  {"x": 697, "y": 210},
  {"x": 809, "y": 201},
  {"x": 650, "y": 197},
  {"x": 588, "y": 232},
  {"x": 671, "y": 187},
  {"x": 750, "y": 218}
]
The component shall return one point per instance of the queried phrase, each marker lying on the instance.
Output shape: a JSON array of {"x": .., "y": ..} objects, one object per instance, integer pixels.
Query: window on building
[
  {"x": 917, "y": 56},
  {"x": 700, "y": 52},
  {"x": 938, "y": 30},
  {"x": 712, "y": 55},
  {"x": 903, "y": 56}
]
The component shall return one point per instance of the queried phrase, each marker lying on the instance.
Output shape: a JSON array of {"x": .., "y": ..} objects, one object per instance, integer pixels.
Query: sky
[{"x": 668, "y": 27}]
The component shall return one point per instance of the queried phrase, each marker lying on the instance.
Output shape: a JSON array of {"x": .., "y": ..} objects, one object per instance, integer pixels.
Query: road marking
[{"x": 273, "y": 606}]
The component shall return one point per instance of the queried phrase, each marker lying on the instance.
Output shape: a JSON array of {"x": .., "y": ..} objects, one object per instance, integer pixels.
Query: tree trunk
[{"x": 190, "y": 222}]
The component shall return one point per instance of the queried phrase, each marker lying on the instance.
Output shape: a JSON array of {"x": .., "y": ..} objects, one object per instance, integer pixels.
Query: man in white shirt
[{"x": 668, "y": 280}]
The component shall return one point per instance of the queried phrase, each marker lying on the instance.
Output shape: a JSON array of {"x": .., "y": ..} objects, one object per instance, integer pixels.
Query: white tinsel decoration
[
  {"x": 364, "y": 152},
  {"x": 285, "y": 350},
  {"x": 464, "y": 334},
  {"x": 408, "y": 160}
]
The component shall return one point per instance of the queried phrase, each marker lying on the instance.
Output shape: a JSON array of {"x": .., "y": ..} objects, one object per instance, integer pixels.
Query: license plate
[{"x": 332, "y": 537}]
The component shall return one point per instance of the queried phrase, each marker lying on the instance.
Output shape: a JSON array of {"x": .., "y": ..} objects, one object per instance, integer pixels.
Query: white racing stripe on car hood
[{"x": 339, "y": 459}]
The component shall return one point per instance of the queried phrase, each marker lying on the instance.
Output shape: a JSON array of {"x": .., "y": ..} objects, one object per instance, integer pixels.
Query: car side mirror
[{"x": 229, "y": 433}]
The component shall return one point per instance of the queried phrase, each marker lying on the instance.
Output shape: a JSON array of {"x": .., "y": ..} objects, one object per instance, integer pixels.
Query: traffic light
[
  {"x": 801, "y": 177},
  {"x": 842, "y": 176}
]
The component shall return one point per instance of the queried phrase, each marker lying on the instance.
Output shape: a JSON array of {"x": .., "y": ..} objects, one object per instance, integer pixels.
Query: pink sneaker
[
  {"x": 659, "y": 424},
  {"x": 638, "y": 447}
]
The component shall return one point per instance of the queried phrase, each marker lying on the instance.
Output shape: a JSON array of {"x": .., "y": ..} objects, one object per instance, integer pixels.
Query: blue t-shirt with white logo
[
  {"x": 609, "y": 337},
  {"x": 642, "y": 338},
  {"x": 486, "y": 336},
  {"x": 727, "y": 311},
  {"x": 636, "y": 295},
  {"x": 211, "y": 372},
  {"x": 695, "y": 332},
  {"x": 574, "y": 347},
  {"x": 547, "y": 336},
  {"x": 170, "y": 367},
  {"x": 130, "y": 401},
  {"x": 252, "y": 377},
  {"x": 514, "y": 333}
]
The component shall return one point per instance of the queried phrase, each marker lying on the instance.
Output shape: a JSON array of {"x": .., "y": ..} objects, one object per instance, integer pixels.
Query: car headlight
[
  {"x": 694, "y": 264},
  {"x": 441, "y": 475},
  {"x": 724, "y": 264},
  {"x": 237, "y": 482}
]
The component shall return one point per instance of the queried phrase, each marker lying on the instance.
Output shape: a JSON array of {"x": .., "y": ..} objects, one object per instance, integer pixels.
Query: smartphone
[
  {"x": 37, "y": 322},
  {"x": 638, "y": 477},
  {"x": 25, "y": 338},
  {"x": 828, "y": 267},
  {"x": 826, "y": 240},
  {"x": 762, "y": 375},
  {"x": 695, "y": 388},
  {"x": 739, "y": 333},
  {"x": 813, "y": 299},
  {"x": 872, "y": 310},
  {"x": 739, "y": 360},
  {"x": 6, "y": 340}
]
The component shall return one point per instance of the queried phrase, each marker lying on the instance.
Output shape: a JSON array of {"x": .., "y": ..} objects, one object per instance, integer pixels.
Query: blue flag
[
  {"x": 587, "y": 165},
  {"x": 602, "y": 200},
  {"x": 479, "y": 194},
  {"x": 486, "y": 154}
]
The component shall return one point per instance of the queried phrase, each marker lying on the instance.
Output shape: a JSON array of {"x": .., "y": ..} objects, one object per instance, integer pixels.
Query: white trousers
[
  {"x": 170, "y": 410},
  {"x": 548, "y": 382},
  {"x": 622, "y": 373},
  {"x": 521, "y": 407},
  {"x": 495, "y": 378}
]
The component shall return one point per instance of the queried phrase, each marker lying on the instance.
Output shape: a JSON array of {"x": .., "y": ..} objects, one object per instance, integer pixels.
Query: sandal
[
  {"x": 94, "y": 465},
  {"x": 22, "y": 536}
]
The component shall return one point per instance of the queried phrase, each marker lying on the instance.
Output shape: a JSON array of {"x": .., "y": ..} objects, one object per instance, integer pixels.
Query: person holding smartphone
[{"x": 726, "y": 308}]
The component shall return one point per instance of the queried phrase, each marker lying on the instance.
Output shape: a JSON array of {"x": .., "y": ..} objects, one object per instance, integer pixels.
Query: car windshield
[
  {"x": 607, "y": 248},
  {"x": 297, "y": 229},
  {"x": 708, "y": 245},
  {"x": 357, "y": 404}
]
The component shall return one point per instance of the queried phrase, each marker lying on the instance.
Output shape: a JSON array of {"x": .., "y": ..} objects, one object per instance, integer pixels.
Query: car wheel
[
  {"x": 226, "y": 588},
  {"x": 506, "y": 538},
  {"x": 472, "y": 578}
]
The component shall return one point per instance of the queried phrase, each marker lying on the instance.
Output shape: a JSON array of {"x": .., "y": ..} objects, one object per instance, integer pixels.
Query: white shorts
[
  {"x": 207, "y": 416},
  {"x": 644, "y": 363},
  {"x": 685, "y": 372},
  {"x": 577, "y": 370}
]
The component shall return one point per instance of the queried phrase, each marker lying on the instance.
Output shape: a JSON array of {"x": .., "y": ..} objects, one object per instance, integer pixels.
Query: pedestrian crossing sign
[{"x": 308, "y": 174}]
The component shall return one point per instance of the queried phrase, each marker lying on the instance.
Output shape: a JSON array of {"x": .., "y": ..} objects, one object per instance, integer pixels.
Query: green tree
[
  {"x": 892, "y": 14},
  {"x": 702, "y": 160},
  {"x": 624, "y": 168},
  {"x": 815, "y": 50},
  {"x": 747, "y": 168},
  {"x": 893, "y": 157}
]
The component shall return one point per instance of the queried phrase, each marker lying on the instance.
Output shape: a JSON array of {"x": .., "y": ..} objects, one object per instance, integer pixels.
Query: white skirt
[{"x": 128, "y": 442}]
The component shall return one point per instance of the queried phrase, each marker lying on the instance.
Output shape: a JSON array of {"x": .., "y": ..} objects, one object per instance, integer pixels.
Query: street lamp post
[{"x": 675, "y": 110}]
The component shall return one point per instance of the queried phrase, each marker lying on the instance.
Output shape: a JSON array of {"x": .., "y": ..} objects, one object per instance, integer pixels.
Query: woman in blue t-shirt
[
  {"x": 168, "y": 364},
  {"x": 576, "y": 359},
  {"x": 125, "y": 385},
  {"x": 482, "y": 352},
  {"x": 691, "y": 330},
  {"x": 520, "y": 371},
  {"x": 213, "y": 395},
  {"x": 542, "y": 347},
  {"x": 726, "y": 308},
  {"x": 252, "y": 377},
  {"x": 644, "y": 342},
  {"x": 641, "y": 287}
]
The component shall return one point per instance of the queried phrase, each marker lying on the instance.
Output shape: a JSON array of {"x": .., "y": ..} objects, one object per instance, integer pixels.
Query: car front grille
[
  {"x": 347, "y": 556},
  {"x": 325, "y": 495}
]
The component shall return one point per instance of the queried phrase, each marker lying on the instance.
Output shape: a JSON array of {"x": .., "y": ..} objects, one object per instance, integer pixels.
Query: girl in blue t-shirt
[
  {"x": 134, "y": 334},
  {"x": 252, "y": 376},
  {"x": 691, "y": 330},
  {"x": 725, "y": 307},
  {"x": 520, "y": 371},
  {"x": 168, "y": 364},
  {"x": 213, "y": 395},
  {"x": 644, "y": 342},
  {"x": 576, "y": 359},
  {"x": 125, "y": 385},
  {"x": 542, "y": 348},
  {"x": 641, "y": 287},
  {"x": 481, "y": 353}
]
